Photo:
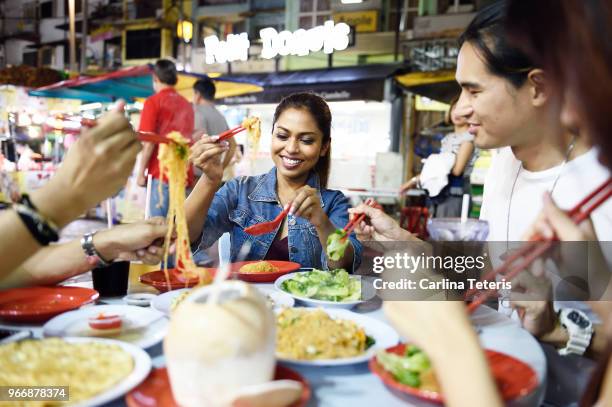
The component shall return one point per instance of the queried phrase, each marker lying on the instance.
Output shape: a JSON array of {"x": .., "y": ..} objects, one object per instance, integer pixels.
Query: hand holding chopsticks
[
  {"x": 359, "y": 218},
  {"x": 538, "y": 245}
]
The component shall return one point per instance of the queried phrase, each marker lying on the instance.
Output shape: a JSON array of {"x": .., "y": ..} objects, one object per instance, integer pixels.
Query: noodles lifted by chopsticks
[
  {"x": 173, "y": 162},
  {"x": 252, "y": 126}
]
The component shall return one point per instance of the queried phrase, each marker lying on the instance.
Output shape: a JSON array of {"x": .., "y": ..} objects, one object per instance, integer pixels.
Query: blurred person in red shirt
[{"x": 164, "y": 112}]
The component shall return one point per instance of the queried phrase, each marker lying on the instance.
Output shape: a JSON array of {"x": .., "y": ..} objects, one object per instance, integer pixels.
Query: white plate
[
  {"x": 383, "y": 334},
  {"x": 142, "y": 367},
  {"x": 163, "y": 302},
  {"x": 280, "y": 299},
  {"x": 75, "y": 324},
  {"x": 368, "y": 293}
]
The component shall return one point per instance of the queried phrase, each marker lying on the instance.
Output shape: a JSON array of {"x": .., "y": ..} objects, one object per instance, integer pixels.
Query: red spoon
[{"x": 267, "y": 227}]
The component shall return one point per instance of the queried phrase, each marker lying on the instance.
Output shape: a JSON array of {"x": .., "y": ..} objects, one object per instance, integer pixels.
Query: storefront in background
[{"x": 365, "y": 125}]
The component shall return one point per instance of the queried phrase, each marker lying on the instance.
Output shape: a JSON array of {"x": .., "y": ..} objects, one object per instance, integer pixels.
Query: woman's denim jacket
[{"x": 245, "y": 201}]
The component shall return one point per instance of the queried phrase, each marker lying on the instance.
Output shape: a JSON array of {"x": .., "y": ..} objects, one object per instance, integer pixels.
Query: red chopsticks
[
  {"x": 151, "y": 137},
  {"x": 537, "y": 245},
  {"x": 145, "y": 136},
  {"x": 230, "y": 133},
  {"x": 358, "y": 219}
]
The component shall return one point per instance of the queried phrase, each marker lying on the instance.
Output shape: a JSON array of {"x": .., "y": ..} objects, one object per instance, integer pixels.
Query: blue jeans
[
  {"x": 157, "y": 207},
  {"x": 160, "y": 208}
]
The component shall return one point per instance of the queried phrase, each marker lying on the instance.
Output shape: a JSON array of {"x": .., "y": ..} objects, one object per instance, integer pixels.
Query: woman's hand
[
  {"x": 206, "y": 154},
  {"x": 141, "y": 241},
  {"x": 378, "y": 226},
  {"x": 95, "y": 167},
  {"x": 307, "y": 205}
]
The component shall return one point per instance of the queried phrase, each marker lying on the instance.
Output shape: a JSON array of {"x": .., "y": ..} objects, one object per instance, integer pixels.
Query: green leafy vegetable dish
[
  {"x": 412, "y": 369},
  {"x": 337, "y": 243},
  {"x": 335, "y": 285}
]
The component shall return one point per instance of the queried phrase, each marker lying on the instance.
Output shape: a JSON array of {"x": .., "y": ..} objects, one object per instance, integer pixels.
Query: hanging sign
[{"x": 328, "y": 38}]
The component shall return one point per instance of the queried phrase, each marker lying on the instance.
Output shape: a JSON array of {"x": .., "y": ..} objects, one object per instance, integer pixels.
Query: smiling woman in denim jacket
[{"x": 300, "y": 149}]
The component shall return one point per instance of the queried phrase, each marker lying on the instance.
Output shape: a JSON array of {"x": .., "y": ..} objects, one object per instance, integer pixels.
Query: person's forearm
[
  {"x": 145, "y": 157},
  {"x": 463, "y": 158},
  {"x": 559, "y": 336},
  {"x": 21, "y": 244},
  {"x": 55, "y": 263},
  {"x": 476, "y": 389},
  {"x": 197, "y": 205},
  {"x": 50, "y": 265},
  {"x": 346, "y": 262},
  {"x": 18, "y": 243}
]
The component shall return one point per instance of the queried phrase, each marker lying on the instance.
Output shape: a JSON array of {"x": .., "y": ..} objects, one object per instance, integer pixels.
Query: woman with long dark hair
[{"x": 300, "y": 150}]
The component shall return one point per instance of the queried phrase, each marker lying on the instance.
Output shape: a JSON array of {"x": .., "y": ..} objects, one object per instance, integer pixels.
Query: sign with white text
[{"x": 328, "y": 38}]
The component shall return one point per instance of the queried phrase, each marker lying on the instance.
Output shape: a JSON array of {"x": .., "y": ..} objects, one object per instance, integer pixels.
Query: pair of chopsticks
[
  {"x": 151, "y": 137},
  {"x": 352, "y": 224},
  {"x": 537, "y": 245},
  {"x": 146, "y": 136}
]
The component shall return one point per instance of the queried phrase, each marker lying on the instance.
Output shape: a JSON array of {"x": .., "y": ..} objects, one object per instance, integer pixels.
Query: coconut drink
[{"x": 215, "y": 348}]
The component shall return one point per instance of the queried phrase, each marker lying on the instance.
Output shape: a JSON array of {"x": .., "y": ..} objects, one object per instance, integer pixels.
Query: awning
[
  {"x": 439, "y": 85},
  {"x": 129, "y": 84},
  {"x": 365, "y": 82}
]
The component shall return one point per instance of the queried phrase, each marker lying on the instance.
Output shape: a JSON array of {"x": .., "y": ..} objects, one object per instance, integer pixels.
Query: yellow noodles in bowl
[{"x": 88, "y": 368}]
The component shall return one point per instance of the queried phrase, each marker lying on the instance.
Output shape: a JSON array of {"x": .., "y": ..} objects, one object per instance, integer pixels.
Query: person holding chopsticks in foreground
[
  {"x": 83, "y": 180},
  {"x": 300, "y": 149}
]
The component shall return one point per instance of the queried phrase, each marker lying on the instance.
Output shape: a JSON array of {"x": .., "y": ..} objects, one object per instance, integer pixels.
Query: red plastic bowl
[
  {"x": 155, "y": 391},
  {"x": 158, "y": 280},
  {"x": 283, "y": 267},
  {"x": 39, "y": 304},
  {"x": 514, "y": 378}
]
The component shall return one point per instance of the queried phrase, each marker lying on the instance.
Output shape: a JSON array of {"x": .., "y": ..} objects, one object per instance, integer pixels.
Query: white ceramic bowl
[{"x": 367, "y": 293}]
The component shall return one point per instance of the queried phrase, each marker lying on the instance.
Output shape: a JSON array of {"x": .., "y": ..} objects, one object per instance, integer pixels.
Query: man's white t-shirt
[{"x": 577, "y": 178}]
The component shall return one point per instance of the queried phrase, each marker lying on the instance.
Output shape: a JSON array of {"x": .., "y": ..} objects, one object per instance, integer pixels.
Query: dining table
[{"x": 355, "y": 385}]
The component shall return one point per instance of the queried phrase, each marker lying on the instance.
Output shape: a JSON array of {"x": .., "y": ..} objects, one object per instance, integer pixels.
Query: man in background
[
  {"x": 209, "y": 120},
  {"x": 164, "y": 112}
]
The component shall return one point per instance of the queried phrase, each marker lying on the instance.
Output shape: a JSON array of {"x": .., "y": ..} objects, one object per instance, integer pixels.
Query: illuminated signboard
[{"x": 328, "y": 38}]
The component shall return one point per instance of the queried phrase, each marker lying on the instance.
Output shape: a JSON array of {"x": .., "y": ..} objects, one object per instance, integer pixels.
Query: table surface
[{"x": 355, "y": 385}]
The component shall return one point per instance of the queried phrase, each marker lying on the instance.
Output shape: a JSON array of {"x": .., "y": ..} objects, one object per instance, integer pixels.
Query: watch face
[{"x": 576, "y": 318}]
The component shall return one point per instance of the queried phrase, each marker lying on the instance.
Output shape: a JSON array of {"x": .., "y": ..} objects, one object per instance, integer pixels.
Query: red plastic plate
[
  {"x": 284, "y": 267},
  {"x": 158, "y": 280},
  {"x": 513, "y": 377},
  {"x": 39, "y": 304},
  {"x": 155, "y": 391}
]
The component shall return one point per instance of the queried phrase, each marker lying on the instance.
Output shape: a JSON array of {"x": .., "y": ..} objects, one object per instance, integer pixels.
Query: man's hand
[
  {"x": 141, "y": 241},
  {"x": 142, "y": 180}
]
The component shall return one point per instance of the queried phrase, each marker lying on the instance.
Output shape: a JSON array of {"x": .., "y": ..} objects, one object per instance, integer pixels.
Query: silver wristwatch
[
  {"x": 92, "y": 254},
  {"x": 579, "y": 329}
]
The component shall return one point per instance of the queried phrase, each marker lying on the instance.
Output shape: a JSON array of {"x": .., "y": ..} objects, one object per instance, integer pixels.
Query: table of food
[{"x": 272, "y": 334}]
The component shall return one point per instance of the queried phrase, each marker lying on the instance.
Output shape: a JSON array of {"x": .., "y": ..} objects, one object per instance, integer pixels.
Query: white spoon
[{"x": 277, "y": 393}]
